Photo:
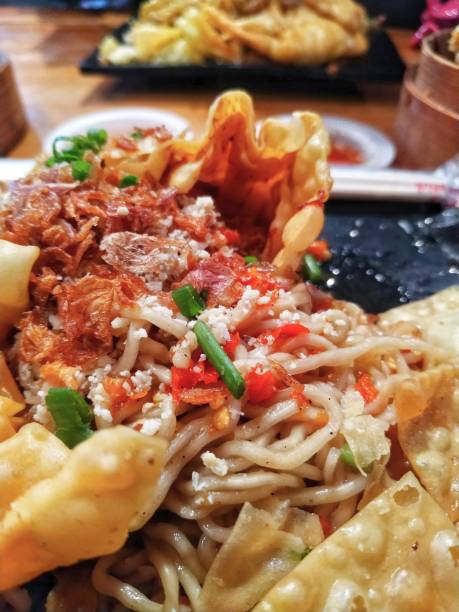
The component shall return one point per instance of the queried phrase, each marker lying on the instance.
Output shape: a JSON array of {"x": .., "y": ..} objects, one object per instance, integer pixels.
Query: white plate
[
  {"x": 376, "y": 149},
  {"x": 117, "y": 122},
  {"x": 14, "y": 169}
]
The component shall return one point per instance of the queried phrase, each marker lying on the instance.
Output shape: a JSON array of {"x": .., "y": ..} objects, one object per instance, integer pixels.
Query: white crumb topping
[
  {"x": 140, "y": 333},
  {"x": 246, "y": 304},
  {"x": 178, "y": 234},
  {"x": 182, "y": 351},
  {"x": 142, "y": 380},
  {"x": 219, "y": 320},
  {"x": 196, "y": 482},
  {"x": 199, "y": 249},
  {"x": 202, "y": 207},
  {"x": 122, "y": 211},
  {"x": 150, "y": 427},
  {"x": 98, "y": 395},
  {"x": 227, "y": 251},
  {"x": 151, "y": 301},
  {"x": 41, "y": 414},
  {"x": 119, "y": 322},
  {"x": 287, "y": 315},
  {"x": 215, "y": 464},
  {"x": 55, "y": 321},
  {"x": 147, "y": 407}
]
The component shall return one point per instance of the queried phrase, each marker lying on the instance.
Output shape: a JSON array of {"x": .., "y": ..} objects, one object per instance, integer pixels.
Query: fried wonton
[
  {"x": 84, "y": 504},
  {"x": 437, "y": 316},
  {"x": 262, "y": 180},
  {"x": 298, "y": 36},
  {"x": 193, "y": 31},
  {"x": 16, "y": 262},
  {"x": 31, "y": 455},
  {"x": 399, "y": 553},
  {"x": 262, "y": 548},
  {"x": 347, "y": 13},
  {"x": 11, "y": 402},
  {"x": 428, "y": 430},
  {"x": 454, "y": 44}
]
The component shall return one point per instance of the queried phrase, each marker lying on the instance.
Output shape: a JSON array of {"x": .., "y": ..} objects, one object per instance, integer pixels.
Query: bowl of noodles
[{"x": 187, "y": 421}]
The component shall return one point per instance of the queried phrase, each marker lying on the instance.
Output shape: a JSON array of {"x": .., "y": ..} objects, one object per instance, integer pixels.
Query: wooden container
[
  {"x": 427, "y": 123},
  {"x": 12, "y": 118},
  {"x": 438, "y": 75}
]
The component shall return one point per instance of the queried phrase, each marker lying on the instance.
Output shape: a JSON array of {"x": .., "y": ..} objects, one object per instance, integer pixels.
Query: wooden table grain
[{"x": 46, "y": 47}]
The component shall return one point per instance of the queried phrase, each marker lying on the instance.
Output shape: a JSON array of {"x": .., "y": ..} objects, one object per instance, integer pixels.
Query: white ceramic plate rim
[
  {"x": 378, "y": 150},
  {"x": 118, "y": 121}
]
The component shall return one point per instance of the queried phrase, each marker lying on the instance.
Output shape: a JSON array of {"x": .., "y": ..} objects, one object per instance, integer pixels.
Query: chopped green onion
[
  {"x": 219, "y": 359},
  {"x": 300, "y": 555},
  {"x": 250, "y": 259},
  {"x": 56, "y": 152},
  {"x": 76, "y": 147},
  {"x": 137, "y": 135},
  {"x": 347, "y": 457},
  {"x": 81, "y": 169},
  {"x": 129, "y": 180},
  {"x": 188, "y": 300},
  {"x": 311, "y": 269},
  {"x": 71, "y": 414},
  {"x": 98, "y": 136},
  {"x": 51, "y": 161}
]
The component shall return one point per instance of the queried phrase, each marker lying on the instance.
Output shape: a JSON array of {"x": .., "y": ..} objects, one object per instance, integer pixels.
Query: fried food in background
[
  {"x": 454, "y": 44},
  {"x": 290, "y": 31}
]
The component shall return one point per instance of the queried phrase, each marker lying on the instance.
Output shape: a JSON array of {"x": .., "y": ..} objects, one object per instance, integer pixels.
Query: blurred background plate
[
  {"x": 381, "y": 63},
  {"x": 374, "y": 149},
  {"x": 118, "y": 121}
]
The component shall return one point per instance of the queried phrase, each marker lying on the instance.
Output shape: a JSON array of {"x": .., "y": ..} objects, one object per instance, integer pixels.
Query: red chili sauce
[{"x": 343, "y": 153}]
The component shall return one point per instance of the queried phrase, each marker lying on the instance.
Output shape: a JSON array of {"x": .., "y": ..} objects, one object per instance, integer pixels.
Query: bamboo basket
[
  {"x": 427, "y": 123},
  {"x": 12, "y": 118}
]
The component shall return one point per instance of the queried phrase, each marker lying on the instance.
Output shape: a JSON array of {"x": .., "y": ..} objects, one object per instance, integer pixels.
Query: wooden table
[{"x": 46, "y": 47}]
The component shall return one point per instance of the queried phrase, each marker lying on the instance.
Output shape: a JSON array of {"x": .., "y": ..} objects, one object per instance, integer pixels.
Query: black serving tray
[
  {"x": 381, "y": 63},
  {"x": 387, "y": 254}
]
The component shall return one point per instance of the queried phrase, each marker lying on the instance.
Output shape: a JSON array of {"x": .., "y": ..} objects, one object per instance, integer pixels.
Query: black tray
[
  {"x": 387, "y": 254},
  {"x": 381, "y": 63}
]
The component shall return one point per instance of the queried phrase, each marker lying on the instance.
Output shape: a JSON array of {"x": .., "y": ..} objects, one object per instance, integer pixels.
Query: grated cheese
[
  {"x": 150, "y": 427},
  {"x": 119, "y": 322},
  {"x": 219, "y": 320},
  {"x": 215, "y": 464}
]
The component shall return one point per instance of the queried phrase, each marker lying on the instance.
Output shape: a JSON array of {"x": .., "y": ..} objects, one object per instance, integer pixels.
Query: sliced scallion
[
  {"x": 347, "y": 457},
  {"x": 71, "y": 414},
  {"x": 219, "y": 359},
  {"x": 300, "y": 555},
  {"x": 74, "y": 150},
  {"x": 137, "y": 135},
  {"x": 311, "y": 269},
  {"x": 98, "y": 136},
  {"x": 250, "y": 259},
  {"x": 188, "y": 301},
  {"x": 129, "y": 180},
  {"x": 80, "y": 169}
]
